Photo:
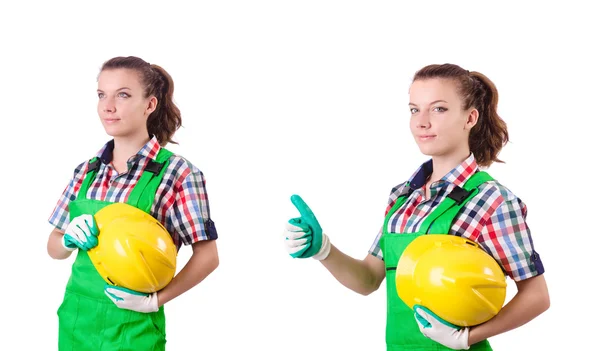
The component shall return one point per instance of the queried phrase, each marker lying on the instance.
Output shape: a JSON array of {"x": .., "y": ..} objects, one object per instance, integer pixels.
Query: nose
[
  {"x": 423, "y": 121},
  {"x": 109, "y": 105}
]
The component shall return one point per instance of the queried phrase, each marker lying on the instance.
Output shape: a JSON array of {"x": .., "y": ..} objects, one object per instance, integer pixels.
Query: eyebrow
[
  {"x": 123, "y": 88},
  {"x": 436, "y": 101}
]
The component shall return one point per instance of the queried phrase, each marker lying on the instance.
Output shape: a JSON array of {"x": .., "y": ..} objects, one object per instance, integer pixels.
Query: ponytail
[
  {"x": 166, "y": 119},
  {"x": 490, "y": 135}
]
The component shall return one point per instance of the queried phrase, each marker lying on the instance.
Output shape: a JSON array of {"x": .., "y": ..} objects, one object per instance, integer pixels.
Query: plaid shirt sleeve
[
  {"x": 375, "y": 248},
  {"x": 189, "y": 217},
  {"x": 506, "y": 236},
  {"x": 60, "y": 216},
  {"x": 396, "y": 192}
]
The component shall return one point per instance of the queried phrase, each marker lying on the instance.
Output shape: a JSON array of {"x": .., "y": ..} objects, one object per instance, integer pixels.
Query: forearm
[
  {"x": 56, "y": 250},
  {"x": 527, "y": 304},
  {"x": 361, "y": 276},
  {"x": 202, "y": 263}
]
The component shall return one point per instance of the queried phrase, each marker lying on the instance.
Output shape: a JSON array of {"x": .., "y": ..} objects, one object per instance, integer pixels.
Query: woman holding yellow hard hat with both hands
[
  {"x": 453, "y": 120},
  {"x": 127, "y": 199}
]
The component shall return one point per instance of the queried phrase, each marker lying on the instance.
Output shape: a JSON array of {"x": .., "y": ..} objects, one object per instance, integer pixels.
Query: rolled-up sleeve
[
  {"x": 189, "y": 217},
  {"x": 375, "y": 249},
  {"x": 507, "y": 237}
]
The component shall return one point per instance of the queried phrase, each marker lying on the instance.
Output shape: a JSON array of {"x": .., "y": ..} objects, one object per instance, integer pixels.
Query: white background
[{"x": 305, "y": 97}]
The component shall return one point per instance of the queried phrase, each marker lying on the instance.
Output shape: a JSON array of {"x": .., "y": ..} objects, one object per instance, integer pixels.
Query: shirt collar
[
  {"x": 150, "y": 150},
  {"x": 457, "y": 176}
]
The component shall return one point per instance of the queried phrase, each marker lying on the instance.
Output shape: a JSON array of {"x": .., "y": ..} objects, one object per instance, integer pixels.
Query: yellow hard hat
[
  {"x": 134, "y": 250},
  {"x": 451, "y": 276}
]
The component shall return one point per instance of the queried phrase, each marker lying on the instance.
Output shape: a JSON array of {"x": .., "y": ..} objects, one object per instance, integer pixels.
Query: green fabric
[
  {"x": 142, "y": 195},
  {"x": 88, "y": 319},
  {"x": 402, "y": 331}
]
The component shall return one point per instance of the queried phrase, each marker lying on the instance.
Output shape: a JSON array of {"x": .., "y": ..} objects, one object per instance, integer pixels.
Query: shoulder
[
  {"x": 497, "y": 189},
  {"x": 398, "y": 191},
  {"x": 417, "y": 179},
  {"x": 183, "y": 164},
  {"x": 80, "y": 170},
  {"x": 182, "y": 169},
  {"x": 498, "y": 195},
  {"x": 83, "y": 166}
]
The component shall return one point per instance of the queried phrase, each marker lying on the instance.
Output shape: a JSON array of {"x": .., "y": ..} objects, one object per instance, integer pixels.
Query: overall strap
[
  {"x": 441, "y": 219},
  {"x": 143, "y": 194},
  {"x": 92, "y": 169},
  {"x": 399, "y": 202}
]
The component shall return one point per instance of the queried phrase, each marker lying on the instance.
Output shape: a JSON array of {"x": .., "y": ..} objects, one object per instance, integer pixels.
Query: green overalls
[
  {"x": 402, "y": 331},
  {"x": 88, "y": 319}
]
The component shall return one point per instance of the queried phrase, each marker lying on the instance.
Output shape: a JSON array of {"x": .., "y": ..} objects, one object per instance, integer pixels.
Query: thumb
[
  {"x": 422, "y": 317},
  {"x": 302, "y": 207},
  {"x": 123, "y": 291},
  {"x": 92, "y": 226},
  {"x": 113, "y": 294}
]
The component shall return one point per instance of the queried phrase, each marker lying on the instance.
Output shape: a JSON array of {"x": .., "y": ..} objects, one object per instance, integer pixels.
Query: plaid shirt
[
  {"x": 180, "y": 204},
  {"x": 494, "y": 218}
]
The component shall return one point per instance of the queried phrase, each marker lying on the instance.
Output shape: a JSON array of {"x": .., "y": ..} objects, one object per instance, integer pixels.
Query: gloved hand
[
  {"x": 132, "y": 300},
  {"x": 81, "y": 233},
  {"x": 304, "y": 237},
  {"x": 438, "y": 330}
]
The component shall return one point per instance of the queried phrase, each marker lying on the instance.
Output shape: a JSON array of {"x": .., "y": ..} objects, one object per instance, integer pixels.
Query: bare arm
[
  {"x": 203, "y": 262},
  {"x": 55, "y": 247},
  {"x": 362, "y": 276},
  {"x": 531, "y": 300}
]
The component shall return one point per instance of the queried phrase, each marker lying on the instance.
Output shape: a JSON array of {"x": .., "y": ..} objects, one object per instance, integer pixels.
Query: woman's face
[
  {"x": 438, "y": 122},
  {"x": 122, "y": 107}
]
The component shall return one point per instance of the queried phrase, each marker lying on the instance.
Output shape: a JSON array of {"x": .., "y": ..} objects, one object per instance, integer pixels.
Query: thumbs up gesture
[{"x": 304, "y": 237}]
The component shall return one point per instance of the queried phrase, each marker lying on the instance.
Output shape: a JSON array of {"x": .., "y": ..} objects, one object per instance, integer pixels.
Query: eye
[
  {"x": 123, "y": 95},
  {"x": 413, "y": 110},
  {"x": 440, "y": 109},
  {"x": 100, "y": 95}
]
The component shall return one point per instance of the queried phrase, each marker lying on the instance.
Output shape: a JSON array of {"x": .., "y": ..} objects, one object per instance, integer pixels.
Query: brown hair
[
  {"x": 166, "y": 118},
  {"x": 490, "y": 133}
]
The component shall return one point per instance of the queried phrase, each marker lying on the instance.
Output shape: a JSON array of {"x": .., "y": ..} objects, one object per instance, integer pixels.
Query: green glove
[
  {"x": 304, "y": 236},
  {"x": 81, "y": 233}
]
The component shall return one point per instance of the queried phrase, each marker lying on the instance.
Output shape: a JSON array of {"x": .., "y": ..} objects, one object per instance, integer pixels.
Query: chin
[
  {"x": 428, "y": 151},
  {"x": 113, "y": 132}
]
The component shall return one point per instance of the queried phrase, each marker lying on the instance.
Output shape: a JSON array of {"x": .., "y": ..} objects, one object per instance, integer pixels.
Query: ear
[
  {"x": 472, "y": 119},
  {"x": 152, "y": 102}
]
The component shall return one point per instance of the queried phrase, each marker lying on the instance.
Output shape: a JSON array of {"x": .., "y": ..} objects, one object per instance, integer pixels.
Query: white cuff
[{"x": 325, "y": 249}]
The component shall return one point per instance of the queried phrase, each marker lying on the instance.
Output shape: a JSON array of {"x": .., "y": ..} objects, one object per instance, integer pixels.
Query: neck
[
  {"x": 125, "y": 147},
  {"x": 444, "y": 164}
]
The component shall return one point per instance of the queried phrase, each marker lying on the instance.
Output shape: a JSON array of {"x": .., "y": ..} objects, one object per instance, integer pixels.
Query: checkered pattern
[
  {"x": 494, "y": 218},
  {"x": 181, "y": 202}
]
